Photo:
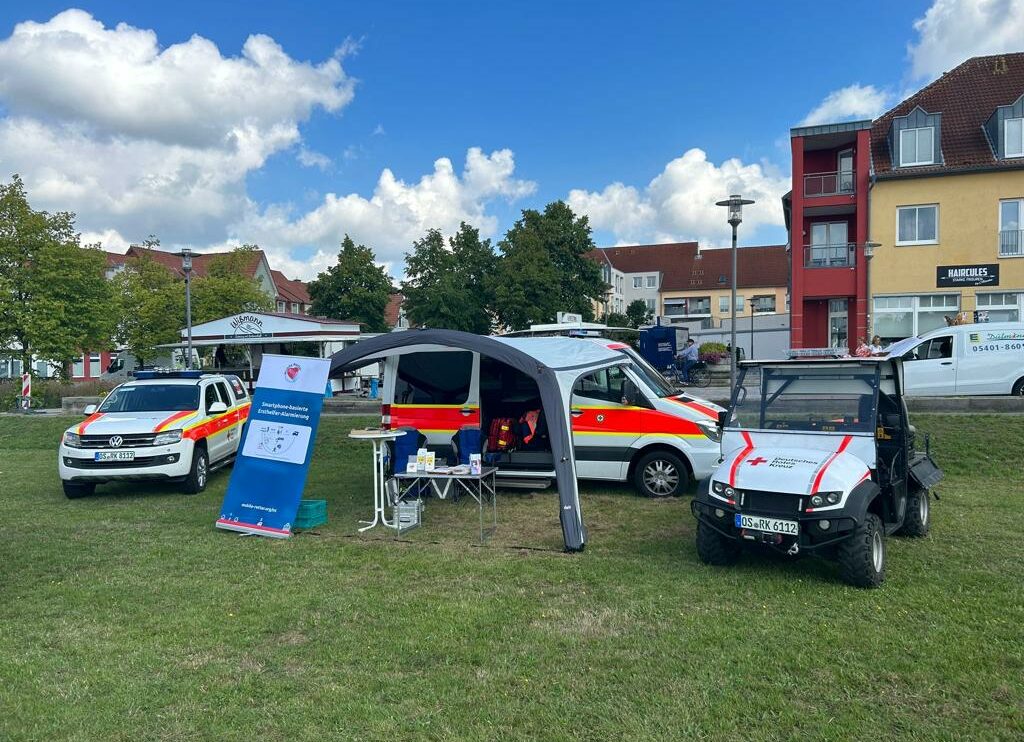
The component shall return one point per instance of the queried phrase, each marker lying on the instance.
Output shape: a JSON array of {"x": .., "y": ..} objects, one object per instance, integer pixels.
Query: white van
[
  {"x": 628, "y": 422},
  {"x": 986, "y": 358}
]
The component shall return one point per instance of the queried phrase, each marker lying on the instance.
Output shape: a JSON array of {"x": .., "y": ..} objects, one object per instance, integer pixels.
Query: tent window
[{"x": 434, "y": 378}]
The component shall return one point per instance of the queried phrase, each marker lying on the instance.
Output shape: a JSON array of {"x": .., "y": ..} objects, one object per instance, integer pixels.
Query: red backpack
[{"x": 501, "y": 436}]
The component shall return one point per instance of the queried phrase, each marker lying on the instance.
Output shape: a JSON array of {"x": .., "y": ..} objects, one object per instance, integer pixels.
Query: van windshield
[
  {"x": 650, "y": 375},
  {"x": 806, "y": 398},
  {"x": 152, "y": 398}
]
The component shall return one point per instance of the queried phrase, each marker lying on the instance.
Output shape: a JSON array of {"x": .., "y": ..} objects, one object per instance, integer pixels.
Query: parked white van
[{"x": 984, "y": 358}]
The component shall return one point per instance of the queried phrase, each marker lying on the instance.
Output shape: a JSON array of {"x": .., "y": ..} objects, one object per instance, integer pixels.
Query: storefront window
[
  {"x": 898, "y": 317},
  {"x": 1001, "y": 307}
]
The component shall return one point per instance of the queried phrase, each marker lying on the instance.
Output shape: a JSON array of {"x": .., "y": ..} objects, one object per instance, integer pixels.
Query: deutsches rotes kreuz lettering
[{"x": 784, "y": 462}]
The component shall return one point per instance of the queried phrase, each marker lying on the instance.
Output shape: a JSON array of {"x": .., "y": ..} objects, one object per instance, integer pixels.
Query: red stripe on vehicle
[
  {"x": 89, "y": 421},
  {"x": 696, "y": 406},
  {"x": 172, "y": 418},
  {"x": 828, "y": 462},
  {"x": 739, "y": 459},
  {"x": 617, "y": 346}
]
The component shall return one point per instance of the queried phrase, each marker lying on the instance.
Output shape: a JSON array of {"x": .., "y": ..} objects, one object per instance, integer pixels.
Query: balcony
[
  {"x": 829, "y": 184},
  {"x": 830, "y": 256},
  {"x": 1011, "y": 243}
]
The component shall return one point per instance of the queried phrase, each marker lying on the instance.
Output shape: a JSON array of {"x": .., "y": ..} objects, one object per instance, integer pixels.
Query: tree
[
  {"x": 152, "y": 307},
  {"x": 638, "y": 314},
  {"x": 228, "y": 288},
  {"x": 447, "y": 286},
  {"x": 543, "y": 268},
  {"x": 355, "y": 288},
  {"x": 54, "y": 299},
  {"x": 616, "y": 319}
]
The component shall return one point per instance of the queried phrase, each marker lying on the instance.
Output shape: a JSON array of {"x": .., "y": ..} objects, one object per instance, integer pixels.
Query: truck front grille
[
  {"x": 129, "y": 440},
  {"x": 770, "y": 503}
]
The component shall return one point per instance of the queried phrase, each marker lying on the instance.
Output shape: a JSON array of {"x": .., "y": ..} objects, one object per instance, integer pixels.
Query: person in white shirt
[{"x": 690, "y": 356}]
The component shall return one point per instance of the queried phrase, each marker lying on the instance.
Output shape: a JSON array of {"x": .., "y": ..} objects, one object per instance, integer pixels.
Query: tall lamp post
[
  {"x": 869, "y": 252},
  {"x": 735, "y": 206},
  {"x": 186, "y": 267}
]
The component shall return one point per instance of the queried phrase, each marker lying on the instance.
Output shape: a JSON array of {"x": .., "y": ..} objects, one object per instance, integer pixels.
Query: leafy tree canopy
[
  {"x": 228, "y": 288},
  {"x": 152, "y": 304},
  {"x": 355, "y": 288},
  {"x": 638, "y": 314}
]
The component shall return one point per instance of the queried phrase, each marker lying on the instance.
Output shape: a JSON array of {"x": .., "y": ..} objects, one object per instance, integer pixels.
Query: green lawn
[{"x": 127, "y": 616}]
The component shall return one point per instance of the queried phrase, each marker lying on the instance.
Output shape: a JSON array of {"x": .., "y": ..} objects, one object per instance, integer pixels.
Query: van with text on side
[
  {"x": 628, "y": 422},
  {"x": 982, "y": 358}
]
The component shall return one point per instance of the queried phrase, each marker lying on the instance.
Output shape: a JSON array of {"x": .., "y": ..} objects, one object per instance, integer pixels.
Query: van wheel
[
  {"x": 660, "y": 474},
  {"x": 862, "y": 555},
  {"x": 918, "y": 517},
  {"x": 1018, "y": 388},
  {"x": 73, "y": 491},
  {"x": 199, "y": 474},
  {"x": 715, "y": 549}
]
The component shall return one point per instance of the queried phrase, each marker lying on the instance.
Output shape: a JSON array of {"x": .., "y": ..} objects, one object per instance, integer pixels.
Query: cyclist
[{"x": 690, "y": 357}]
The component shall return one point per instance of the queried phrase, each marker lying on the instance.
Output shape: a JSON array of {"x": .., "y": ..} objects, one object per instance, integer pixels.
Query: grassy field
[{"x": 127, "y": 616}]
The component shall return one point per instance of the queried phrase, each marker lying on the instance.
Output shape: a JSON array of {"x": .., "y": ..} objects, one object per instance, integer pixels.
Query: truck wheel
[
  {"x": 73, "y": 490},
  {"x": 919, "y": 515},
  {"x": 660, "y": 474},
  {"x": 862, "y": 555},
  {"x": 198, "y": 475},
  {"x": 714, "y": 548}
]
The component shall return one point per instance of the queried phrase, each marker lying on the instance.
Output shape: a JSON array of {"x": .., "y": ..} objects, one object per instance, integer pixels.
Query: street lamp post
[
  {"x": 186, "y": 267},
  {"x": 869, "y": 252},
  {"x": 735, "y": 206}
]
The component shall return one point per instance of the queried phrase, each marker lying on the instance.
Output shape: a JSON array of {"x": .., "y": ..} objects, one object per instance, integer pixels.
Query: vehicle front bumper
[
  {"x": 721, "y": 516},
  {"x": 170, "y": 462}
]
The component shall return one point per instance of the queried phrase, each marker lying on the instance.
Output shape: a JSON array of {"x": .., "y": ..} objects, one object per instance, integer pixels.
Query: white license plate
[
  {"x": 768, "y": 525},
  {"x": 115, "y": 455}
]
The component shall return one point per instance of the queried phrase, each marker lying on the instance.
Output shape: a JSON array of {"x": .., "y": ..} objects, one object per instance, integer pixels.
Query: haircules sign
[
  {"x": 277, "y": 443},
  {"x": 967, "y": 275}
]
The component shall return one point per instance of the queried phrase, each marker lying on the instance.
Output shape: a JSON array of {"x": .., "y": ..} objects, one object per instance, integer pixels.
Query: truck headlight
[
  {"x": 72, "y": 440},
  {"x": 710, "y": 429},
  {"x": 171, "y": 436},
  {"x": 826, "y": 498},
  {"x": 717, "y": 487}
]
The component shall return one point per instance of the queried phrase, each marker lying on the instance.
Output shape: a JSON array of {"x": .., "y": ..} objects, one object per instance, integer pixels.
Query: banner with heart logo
[{"x": 277, "y": 444}]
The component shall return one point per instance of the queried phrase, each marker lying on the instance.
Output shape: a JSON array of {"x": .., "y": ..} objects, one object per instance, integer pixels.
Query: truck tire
[
  {"x": 660, "y": 474},
  {"x": 919, "y": 515},
  {"x": 715, "y": 549},
  {"x": 199, "y": 473},
  {"x": 862, "y": 555},
  {"x": 74, "y": 490}
]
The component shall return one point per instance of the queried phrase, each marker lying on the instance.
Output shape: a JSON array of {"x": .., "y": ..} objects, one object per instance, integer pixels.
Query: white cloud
[
  {"x": 850, "y": 103},
  {"x": 952, "y": 31},
  {"x": 311, "y": 158},
  {"x": 679, "y": 204},
  {"x": 396, "y": 214},
  {"x": 142, "y": 139},
  {"x": 109, "y": 239}
]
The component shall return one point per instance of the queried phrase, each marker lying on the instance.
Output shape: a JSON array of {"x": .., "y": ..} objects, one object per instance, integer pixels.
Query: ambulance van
[{"x": 628, "y": 422}]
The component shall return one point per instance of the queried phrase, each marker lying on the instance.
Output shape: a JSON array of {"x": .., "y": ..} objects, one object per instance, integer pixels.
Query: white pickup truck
[{"x": 173, "y": 426}]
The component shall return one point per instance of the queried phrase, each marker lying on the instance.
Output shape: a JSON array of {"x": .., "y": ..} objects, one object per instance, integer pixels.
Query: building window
[
  {"x": 763, "y": 304},
  {"x": 295, "y": 307},
  {"x": 280, "y": 306},
  {"x": 898, "y": 317},
  {"x": 638, "y": 282},
  {"x": 1011, "y": 232},
  {"x": 652, "y": 282},
  {"x": 94, "y": 365},
  {"x": 650, "y": 304},
  {"x": 917, "y": 147},
  {"x": 723, "y": 304},
  {"x": 699, "y": 306},
  {"x": 917, "y": 225},
  {"x": 78, "y": 367},
  {"x": 1001, "y": 307},
  {"x": 739, "y": 303},
  {"x": 1014, "y": 144}
]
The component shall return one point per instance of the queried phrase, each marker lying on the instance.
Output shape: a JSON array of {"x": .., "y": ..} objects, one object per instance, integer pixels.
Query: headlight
[
  {"x": 730, "y": 493},
  {"x": 72, "y": 440},
  {"x": 833, "y": 497},
  {"x": 171, "y": 436},
  {"x": 817, "y": 501},
  {"x": 711, "y": 430},
  {"x": 717, "y": 487}
]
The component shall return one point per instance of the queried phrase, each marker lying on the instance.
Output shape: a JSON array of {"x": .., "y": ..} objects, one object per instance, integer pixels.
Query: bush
[
  {"x": 712, "y": 352},
  {"x": 47, "y": 393}
]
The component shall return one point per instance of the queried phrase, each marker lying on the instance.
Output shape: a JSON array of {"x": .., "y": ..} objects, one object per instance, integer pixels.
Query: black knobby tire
[
  {"x": 700, "y": 376},
  {"x": 715, "y": 549},
  {"x": 199, "y": 473},
  {"x": 862, "y": 555},
  {"x": 919, "y": 515},
  {"x": 660, "y": 474},
  {"x": 74, "y": 490}
]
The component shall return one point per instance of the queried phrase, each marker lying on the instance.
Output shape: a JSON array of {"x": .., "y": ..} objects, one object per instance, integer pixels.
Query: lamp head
[
  {"x": 186, "y": 259},
  {"x": 735, "y": 205}
]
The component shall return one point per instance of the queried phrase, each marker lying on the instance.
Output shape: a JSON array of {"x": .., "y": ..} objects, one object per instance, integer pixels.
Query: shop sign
[{"x": 948, "y": 276}]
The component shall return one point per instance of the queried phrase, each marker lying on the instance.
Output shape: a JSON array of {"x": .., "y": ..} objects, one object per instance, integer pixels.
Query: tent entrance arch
[{"x": 553, "y": 363}]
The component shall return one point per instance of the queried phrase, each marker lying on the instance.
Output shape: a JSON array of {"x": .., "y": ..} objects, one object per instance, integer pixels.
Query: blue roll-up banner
[{"x": 277, "y": 444}]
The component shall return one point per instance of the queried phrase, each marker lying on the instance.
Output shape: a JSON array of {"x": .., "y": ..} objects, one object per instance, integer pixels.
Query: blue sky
[{"x": 586, "y": 98}]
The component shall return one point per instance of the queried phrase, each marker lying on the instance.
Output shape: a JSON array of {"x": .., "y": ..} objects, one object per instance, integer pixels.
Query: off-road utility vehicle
[{"x": 819, "y": 457}]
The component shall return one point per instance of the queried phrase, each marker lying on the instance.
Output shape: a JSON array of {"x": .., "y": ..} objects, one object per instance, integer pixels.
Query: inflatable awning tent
[{"x": 555, "y": 363}]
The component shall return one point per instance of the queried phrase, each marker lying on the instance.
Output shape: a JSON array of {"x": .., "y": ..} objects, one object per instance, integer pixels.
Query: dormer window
[
  {"x": 917, "y": 146},
  {"x": 1014, "y": 145}
]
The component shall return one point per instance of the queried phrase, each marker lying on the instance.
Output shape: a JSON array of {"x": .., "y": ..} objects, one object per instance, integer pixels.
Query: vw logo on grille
[{"x": 115, "y": 441}]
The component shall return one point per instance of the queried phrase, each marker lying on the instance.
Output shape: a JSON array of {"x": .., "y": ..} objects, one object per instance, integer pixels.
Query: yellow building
[{"x": 947, "y": 201}]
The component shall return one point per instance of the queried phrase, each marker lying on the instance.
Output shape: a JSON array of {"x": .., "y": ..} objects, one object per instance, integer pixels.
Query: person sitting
[
  {"x": 863, "y": 349},
  {"x": 876, "y": 346},
  {"x": 690, "y": 357}
]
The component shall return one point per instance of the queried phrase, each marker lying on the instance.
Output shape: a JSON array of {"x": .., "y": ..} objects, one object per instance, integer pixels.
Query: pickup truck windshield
[
  {"x": 823, "y": 398},
  {"x": 152, "y": 398}
]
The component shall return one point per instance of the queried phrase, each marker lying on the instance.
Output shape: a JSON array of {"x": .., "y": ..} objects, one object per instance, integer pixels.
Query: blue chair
[
  {"x": 467, "y": 440},
  {"x": 402, "y": 448}
]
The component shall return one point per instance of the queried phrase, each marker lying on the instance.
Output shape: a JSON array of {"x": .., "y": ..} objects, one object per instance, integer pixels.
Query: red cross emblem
[{"x": 758, "y": 460}]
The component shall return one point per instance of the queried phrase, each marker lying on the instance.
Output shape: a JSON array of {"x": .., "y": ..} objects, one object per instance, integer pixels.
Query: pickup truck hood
[
  {"x": 132, "y": 422},
  {"x": 797, "y": 471}
]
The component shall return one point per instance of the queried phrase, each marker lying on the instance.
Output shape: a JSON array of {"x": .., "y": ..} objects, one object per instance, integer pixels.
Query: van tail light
[{"x": 385, "y": 416}]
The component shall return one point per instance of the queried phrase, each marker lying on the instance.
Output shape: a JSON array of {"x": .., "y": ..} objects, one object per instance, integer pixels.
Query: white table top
[
  {"x": 375, "y": 434},
  {"x": 484, "y": 472}
]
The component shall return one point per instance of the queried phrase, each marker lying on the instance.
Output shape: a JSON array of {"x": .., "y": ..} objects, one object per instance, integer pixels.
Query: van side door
[
  {"x": 930, "y": 367},
  {"x": 604, "y": 427}
]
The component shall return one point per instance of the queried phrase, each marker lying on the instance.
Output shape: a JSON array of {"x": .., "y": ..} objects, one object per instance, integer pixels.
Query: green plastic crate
[{"x": 311, "y": 513}]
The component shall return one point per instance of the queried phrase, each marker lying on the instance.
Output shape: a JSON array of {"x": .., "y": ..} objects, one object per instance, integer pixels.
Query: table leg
[{"x": 376, "y": 512}]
